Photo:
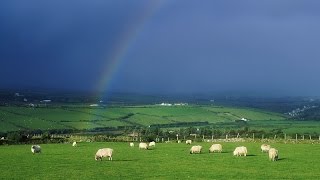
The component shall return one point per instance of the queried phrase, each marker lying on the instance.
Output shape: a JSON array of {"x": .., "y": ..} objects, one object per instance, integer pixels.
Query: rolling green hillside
[{"x": 24, "y": 118}]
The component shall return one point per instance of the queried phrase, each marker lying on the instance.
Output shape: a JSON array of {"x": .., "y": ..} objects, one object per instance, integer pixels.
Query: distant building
[
  {"x": 94, "y": 105},
  {"x": 165, "y": 104},
  {"x": 244, "y": 119},
  {"x": 180, "y": 104},
  {"x": 298, "y": 111}
]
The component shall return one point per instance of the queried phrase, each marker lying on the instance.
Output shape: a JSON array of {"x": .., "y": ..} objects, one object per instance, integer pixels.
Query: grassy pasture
[
  {"x": 15, "y": 118},
  {"x": 165, "y": 161},
  {"x": 20, "y": 118}
]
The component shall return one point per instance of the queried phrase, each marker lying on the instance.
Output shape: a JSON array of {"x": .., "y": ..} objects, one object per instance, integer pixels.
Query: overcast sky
[{"x": 174, "y": 46}]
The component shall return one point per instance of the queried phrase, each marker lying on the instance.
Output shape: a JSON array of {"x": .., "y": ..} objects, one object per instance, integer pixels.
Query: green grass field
[
  {"x": 72, "y": 117},
  {"x": 165, "y": 161},
  {"x": 20, "y": 118}
]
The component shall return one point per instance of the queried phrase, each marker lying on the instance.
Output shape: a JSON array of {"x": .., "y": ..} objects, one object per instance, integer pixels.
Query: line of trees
[{"x": 151, "y": 133}]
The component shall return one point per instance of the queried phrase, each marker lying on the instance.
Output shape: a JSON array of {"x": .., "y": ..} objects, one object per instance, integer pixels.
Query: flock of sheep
[
  {"x": 239, "y": 151},
  {"x": 273, "y": 153}
]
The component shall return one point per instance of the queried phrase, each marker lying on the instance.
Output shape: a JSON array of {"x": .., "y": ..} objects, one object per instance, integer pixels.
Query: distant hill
[
  {"x": 86, "y": 117},
  {"x": 309, "y": 114}
]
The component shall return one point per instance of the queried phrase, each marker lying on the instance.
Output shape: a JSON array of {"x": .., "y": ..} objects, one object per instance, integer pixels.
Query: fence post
[
  {"x": 285, "y": 136},
  {"x": 296, "y": 137},
  {"x": 262, "y": 136},
  {"x": 310, "y": 137},
  {"x": 302, "y": 137},
  {"x": 212, "y": 137},
  {"x": 226, "y": 136},
  {"x": 202, "y": 137},
  {"x": 253, "y": 136}
]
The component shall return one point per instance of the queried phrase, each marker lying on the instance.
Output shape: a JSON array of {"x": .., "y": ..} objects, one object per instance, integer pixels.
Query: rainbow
[{"x": 114, "y": 60}]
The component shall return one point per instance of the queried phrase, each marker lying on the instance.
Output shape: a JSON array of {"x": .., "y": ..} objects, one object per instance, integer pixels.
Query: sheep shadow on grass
[
  {"x": 281, "y": 159},
  {"x": 251, "y": 155},
  {"x": 119, "y": 160},
  {"x": 226, "y": 152}
]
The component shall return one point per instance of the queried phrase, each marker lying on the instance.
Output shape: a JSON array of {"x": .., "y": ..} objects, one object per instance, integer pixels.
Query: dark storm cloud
[
  {"x": 256, "y": 46},
  {"x": 185, "y": 46},
  {"x": 60, "y": 43}
]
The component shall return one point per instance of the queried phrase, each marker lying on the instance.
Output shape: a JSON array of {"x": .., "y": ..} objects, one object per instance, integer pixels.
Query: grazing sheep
[
  {"x": 131, "y": 144},
  {"x": 105, "y": 152},
  {"x": 152, "y": 144},
  {"x": 273, "y": 154},
  {"x": 215, "y": 148},
  {"x": 195, "y": 149},
  {"x": 179, "y": 141},
  {"x": 265, "y": 148},
  {"x": 74, "y": 144},
  {"x": 188, "y": 141},
  {"x": 143, "y": 145},
  {"x": 240, "y": 151},
  {"x": 35, "y": 149}
]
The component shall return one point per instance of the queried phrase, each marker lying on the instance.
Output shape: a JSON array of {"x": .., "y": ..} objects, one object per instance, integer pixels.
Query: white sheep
[
  {"x": 105, "y": 152},
  {"x": 179, "y": 141},
  {"x": 188, "y": 141},
  {"x": 215, "y": 148},
  {"x": 195, "y": 149},
  {"x": 240, "y": 151},
  {"x": 152, "y": 144},
  {"x": 273, "y": 154},
  {"x": 74, "y": 144},
  {"x": 143, "y": 145},
  {"x": 35, "y": 149},
  {"x": 265, "y": 148},
  {"x": 131, "y": 144}
]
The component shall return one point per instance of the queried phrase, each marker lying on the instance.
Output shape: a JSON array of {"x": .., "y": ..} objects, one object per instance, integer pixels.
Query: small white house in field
[
  {"x": 165, "y": 104},
  {"x": 244, "y": 119}
]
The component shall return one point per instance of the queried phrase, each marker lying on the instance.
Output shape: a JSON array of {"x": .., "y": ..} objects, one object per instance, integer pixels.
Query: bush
[{"x": 15, "y": 137}]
